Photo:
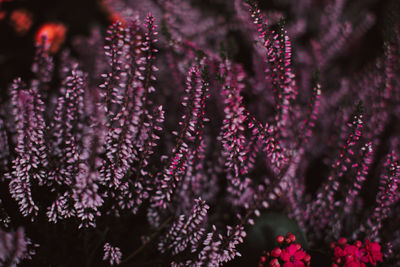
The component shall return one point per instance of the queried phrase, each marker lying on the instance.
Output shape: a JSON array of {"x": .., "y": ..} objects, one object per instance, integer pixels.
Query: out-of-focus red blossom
[
  {"x": 21, "y": 21},
  {"x": 286, "y": 254},
  {"x": 356, "y": 255},
  {"x": 113, "y": 16},
  {"x": 53, "y": 34},
  {"x": 2, "y": 14}
]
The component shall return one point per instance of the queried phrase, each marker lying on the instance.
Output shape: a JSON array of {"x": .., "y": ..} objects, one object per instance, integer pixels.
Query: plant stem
[{"x": 152, "y": 237}]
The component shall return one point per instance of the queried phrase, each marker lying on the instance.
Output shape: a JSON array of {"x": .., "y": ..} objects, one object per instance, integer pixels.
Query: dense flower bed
[{"x": 185, "y": 130}]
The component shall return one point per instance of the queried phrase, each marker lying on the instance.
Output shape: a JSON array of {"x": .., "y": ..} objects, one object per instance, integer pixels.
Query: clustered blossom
[
  {"x": 342, "y": 164},
  {"x": 173, "y": 174},
  {"x": 357, "y": 255},
  {"x": 288, "y": 253},
  {"x": 232, "y": 138},
  {"x": 222, "y": 248},
  {"x": 112, "y": 254},
  {"x": 186, "y": 230},
  {"x": 31, "y": 147}
]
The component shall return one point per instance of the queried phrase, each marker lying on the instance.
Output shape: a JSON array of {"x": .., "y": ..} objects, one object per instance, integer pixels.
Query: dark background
[{"x": 16, "y": 51}]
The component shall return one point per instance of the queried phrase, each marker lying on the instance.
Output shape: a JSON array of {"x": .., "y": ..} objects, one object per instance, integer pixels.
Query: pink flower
[
  {"x": 293, "y": 256},
  {"x": 286, "y": 254},
  {"x": 356, "y": 255},
  {"x": 354, "y": 264},
  {"x": 339, "y": 252},
  {"x": 373, "y": 251}
]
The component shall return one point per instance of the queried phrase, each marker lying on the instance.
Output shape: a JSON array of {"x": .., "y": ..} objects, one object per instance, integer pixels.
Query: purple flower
[{"x": 112, "y": 254}]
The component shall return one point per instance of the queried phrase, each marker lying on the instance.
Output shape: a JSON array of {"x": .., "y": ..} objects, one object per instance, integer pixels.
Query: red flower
[
  {"x": 356, "y": 255},
  {"x": 286, "y": 254},
  {"x": 293, "y": 256},
  {"x": 54, "y": 34},
  {"x": 373, "y": 251},
  {"x": 276, "y": 252},
  {"x": 339, "y": 252},
  {"x": 354, "y": 264},
  {"x": 21, "y": 20}
]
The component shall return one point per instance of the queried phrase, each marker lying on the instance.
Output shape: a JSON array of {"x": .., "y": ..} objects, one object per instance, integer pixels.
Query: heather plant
[{"x": 160, "y": 142}]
